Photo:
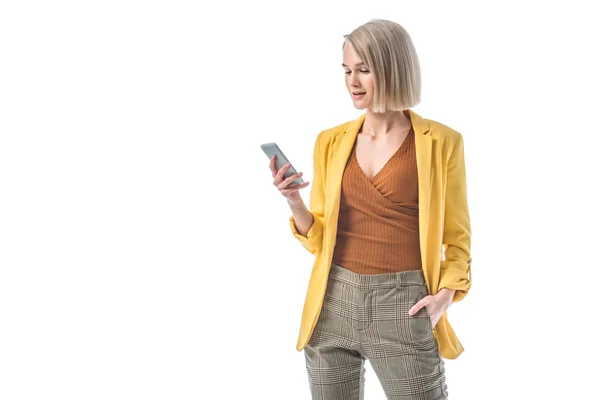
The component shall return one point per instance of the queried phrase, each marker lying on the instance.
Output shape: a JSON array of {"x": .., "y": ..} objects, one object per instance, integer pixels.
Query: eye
[{"x": 363, "y": 71}]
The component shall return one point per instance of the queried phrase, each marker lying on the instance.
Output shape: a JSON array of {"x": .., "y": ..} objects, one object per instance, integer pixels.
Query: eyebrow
[{"x": 356, "y": 65}]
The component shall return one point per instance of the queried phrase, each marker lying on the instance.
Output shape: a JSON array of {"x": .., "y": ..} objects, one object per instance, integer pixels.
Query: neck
[{"x": 381, "y": 124}]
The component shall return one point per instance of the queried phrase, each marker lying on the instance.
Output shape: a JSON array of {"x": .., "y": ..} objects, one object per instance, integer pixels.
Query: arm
[
  {"x": 313, "y": 240},
  {"x": 456, "y": 268}
]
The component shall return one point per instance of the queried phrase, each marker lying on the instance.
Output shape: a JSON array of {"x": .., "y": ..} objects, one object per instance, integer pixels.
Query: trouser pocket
[{"x": 420, "y": 322}]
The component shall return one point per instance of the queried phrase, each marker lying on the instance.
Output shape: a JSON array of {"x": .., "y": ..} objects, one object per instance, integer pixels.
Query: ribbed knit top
[{"x": 378, "y": 224}]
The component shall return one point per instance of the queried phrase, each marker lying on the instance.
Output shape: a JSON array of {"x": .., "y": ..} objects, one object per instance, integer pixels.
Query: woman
[{"x": 388, "y": 197}]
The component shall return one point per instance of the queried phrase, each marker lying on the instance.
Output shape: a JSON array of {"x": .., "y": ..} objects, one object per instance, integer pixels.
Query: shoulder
[
  {"x": 449, "y": 138},
  {"x": 327, "y": 138},
  {"x": 443, "y": 132},
  {"x": 329, "y": 135}
]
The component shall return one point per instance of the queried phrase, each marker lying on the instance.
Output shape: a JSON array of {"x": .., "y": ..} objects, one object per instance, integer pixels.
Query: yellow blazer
[{"x": 444, "y": 223}]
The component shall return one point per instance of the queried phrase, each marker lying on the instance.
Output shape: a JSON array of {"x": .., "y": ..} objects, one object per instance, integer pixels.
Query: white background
[{"x": 145, "y": 253}]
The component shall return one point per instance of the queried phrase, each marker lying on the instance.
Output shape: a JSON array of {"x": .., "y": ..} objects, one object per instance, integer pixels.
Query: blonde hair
[{"x": 388, "y": 51}]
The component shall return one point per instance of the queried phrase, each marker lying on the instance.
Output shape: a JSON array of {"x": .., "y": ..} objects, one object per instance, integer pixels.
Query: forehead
[{"x": 350, "y": 58}]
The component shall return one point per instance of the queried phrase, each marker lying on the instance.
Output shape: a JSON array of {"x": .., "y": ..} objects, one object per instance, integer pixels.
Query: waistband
[{"x": 365, "y": 281}]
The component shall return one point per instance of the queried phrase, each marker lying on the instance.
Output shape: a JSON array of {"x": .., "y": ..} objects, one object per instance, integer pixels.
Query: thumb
[{"x": 420, "y": 304}]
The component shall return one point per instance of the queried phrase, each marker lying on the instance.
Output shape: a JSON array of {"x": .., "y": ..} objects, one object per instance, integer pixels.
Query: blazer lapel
[{"x": 423, "y": 146}]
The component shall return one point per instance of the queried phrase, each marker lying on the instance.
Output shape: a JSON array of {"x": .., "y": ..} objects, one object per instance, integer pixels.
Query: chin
[{"x": 359, "y": 106}]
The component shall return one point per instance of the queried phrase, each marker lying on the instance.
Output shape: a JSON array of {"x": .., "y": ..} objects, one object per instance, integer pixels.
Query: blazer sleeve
[
  {"x": 313, "y": 241},
  {"x": 455, "y": 271}
]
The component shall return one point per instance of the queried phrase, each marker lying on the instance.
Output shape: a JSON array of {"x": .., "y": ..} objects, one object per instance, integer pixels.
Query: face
[{"x": 358, "y": 79}]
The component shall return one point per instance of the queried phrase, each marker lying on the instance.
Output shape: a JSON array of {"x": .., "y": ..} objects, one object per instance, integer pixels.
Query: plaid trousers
[{"x": 366, "y": 317}]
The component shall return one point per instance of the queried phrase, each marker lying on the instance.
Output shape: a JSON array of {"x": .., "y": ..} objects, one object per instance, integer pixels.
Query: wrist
[
  {"x": 447, "y": 291},
  {"x": 293, "y": 203}
]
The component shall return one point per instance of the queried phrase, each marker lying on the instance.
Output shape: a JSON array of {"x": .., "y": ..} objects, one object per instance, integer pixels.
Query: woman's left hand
[{"x": 436, "y": 305}]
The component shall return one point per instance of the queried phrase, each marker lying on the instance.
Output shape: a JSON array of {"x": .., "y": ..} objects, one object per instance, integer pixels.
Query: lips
[{"x": 359, "y": 92}]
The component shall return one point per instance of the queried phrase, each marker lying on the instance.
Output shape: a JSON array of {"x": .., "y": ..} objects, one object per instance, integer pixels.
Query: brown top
[{"x": 378, "y": 224}]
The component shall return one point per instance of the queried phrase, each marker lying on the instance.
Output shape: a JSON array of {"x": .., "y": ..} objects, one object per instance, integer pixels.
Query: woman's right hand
[{"x": 290, "y": 192}]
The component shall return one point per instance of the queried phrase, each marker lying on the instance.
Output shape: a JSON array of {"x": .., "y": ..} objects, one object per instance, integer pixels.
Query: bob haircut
[{"x": 388, "y": 51}]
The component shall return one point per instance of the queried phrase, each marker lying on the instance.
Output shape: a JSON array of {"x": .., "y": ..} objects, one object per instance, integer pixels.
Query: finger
[
  {"x": 294, "y": 188},
  {"x": 305, "y": 184},
  {"x": 273, "y": 165},
  {"x": 280, "y": 173},
  {"x": 415, "y": 309},
  {"x": 291, "y": 178},
  {"x": 284, "y": 169}
]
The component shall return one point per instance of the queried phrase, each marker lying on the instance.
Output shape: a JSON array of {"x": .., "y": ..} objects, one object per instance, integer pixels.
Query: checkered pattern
[{"x": 366, "y": 317}]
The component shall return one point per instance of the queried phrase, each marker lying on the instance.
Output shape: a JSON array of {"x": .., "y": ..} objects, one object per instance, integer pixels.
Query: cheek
[{"x": 369, "y": 83}]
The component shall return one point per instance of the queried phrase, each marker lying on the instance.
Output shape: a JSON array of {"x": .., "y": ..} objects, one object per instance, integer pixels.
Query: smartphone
[{"x": 271, "y": 149}]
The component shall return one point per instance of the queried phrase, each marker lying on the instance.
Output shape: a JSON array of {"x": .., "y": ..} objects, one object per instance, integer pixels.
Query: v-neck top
[{"x": 378, "y": 224}]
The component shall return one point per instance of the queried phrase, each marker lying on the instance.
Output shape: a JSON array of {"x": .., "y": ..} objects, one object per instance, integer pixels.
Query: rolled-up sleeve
[
  {"x": 455, "y": 272},
  {"x": 313, "y": 241}
]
